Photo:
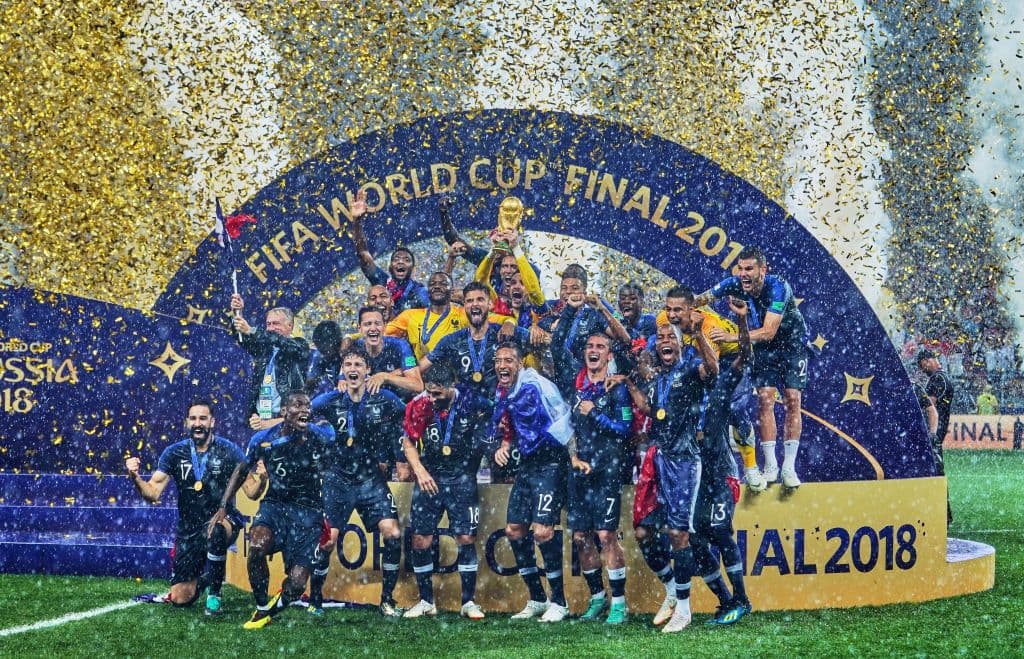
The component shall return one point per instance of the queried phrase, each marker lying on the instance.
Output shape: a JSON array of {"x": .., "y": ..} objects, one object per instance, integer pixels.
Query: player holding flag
[{"x": 529, "y": 407}]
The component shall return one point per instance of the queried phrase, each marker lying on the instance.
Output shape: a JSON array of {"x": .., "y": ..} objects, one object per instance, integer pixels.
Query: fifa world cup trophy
[{"x": 510, "y": 217}]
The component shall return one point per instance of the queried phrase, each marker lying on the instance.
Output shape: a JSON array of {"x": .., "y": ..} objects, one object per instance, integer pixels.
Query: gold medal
[
  {"x": 661, "y": 414},
  {"x": 349, "y": 442},
  {"x": 447, "y": 450},
  {"x": 198, "y": 486},
  {"x": 478, "y": 376}
]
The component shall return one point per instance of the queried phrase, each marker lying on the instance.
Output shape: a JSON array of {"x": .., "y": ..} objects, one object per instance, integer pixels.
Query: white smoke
[
  {"x": 814, "y": 70},
  {"x": 997, "y": 159},
  {"x": 214, "y": 70}
]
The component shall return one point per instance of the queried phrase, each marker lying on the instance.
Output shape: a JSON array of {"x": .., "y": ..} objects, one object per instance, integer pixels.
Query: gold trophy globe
[{"x": 510, "y": 217}]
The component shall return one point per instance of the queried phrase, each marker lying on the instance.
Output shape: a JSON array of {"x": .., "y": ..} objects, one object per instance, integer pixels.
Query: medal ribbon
[
  {"x": 350, "y": 416},
  {"x": 450, "y": 421},
  {"x": 662, "y": 391},
  {"x": 199, "y": 465},
  {"x": 477, "y": 358},
  {"x": 425, "y": 334}
]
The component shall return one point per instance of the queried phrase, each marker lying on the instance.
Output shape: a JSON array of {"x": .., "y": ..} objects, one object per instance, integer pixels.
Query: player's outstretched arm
[
  {"x": 739, "y": 307},
  {"x": 152, "y": 489},
  {"x": 355, "y": 232},
  {"x": 636, "y": 395},
  {"x": 255, "y": 483},
  {"x": 709, "y": 361}
]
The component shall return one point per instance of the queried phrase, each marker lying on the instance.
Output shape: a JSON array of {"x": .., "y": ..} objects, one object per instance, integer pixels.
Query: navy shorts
[
  {"x": 678, "y": 482},
  {"x": 741, "y": 406},
  {"x": 190, "y": 550},
  {"x": 372, "y": 499},
  {"x": 458, "y": 498},
  {"x": 715, "y": 508},
  {"x": 784, "y": 364},
  {"x": 296, "y": 531},
  {"x": 595, "y": 499},
  {"x": 537, "y": 496}
]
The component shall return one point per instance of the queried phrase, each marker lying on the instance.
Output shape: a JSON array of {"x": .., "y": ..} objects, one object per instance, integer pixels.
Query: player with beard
[
  {"x": 673, "y": 397},
  {"x": 601, "y": 417},
  {"x": 680, "y": 303},
  {"x": 470, "y": 353},
  {"x": 200, "y": 466},
  {"x": 404, "y": 291},
  {"x": 441, "y": 432},
  {"x": 291, "y": 513},
  {"x": 368, "y": 425},
  {"x": 424, "y": 328},
  {"x": 779, "y": 335},
  {"x": 530, "y": 410},
  {"x": 392, "y": 364},
  {"x": 716, "y": 498}
]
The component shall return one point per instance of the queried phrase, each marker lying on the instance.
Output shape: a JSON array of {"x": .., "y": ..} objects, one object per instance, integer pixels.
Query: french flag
[{"x": 536, "y": 411}]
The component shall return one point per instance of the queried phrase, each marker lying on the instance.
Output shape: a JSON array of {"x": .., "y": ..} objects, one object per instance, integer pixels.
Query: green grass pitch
[{"x": 986, "y": 491}]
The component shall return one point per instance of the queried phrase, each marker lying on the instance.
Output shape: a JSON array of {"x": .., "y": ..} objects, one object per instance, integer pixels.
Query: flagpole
[{"x": 231, "y": 255}]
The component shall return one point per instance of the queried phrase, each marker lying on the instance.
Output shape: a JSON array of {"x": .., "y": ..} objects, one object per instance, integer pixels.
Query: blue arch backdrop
[
  {"x": 604, "y": 182},
  {"x": 83, "y": 383}
]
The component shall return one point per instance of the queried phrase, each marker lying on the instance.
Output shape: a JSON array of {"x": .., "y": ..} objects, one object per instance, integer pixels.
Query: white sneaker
[
  {"x": 771, "y": 474},
  {"x": 789, "y": 478},
  {"x": 555, "y": 613},
  {"x": 421, "y": 608},
  {"x": 678, "y": 622},
  {"x": 532, "y": 610},
  {"x": 665, "y": 612},
  {"x": 755, "y": 480},
  {"x": 472, "y": 611}
]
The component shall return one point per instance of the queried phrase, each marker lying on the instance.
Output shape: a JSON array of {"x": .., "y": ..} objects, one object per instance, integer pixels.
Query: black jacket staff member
[{"x": 279, "y": 360}]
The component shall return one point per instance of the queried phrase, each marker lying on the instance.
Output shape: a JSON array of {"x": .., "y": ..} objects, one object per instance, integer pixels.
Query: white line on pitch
[{"x": 69, "y": 617}]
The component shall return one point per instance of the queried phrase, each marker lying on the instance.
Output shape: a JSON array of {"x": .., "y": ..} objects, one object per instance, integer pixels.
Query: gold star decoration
[
  {"x": 196, "y": 315},
  {"x": 857, "y": 389},
  {"x": 169, "y": 362},
  {"x": 819, "y": 342},
  {"x": 797, "y": 301}
]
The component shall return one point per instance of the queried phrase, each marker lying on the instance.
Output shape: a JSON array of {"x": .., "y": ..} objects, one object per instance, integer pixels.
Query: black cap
[{"x": 926, "y": 354}]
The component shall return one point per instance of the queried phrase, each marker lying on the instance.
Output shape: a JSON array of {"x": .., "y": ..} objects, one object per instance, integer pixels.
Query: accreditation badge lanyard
[
  {"x": 426, "y": 334},
  {"x": 477, "y": 358},
  {"x": 350, "y": 419},
  {"x": 269, "y": 394},
  {"x": 198, "y": 465}
]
